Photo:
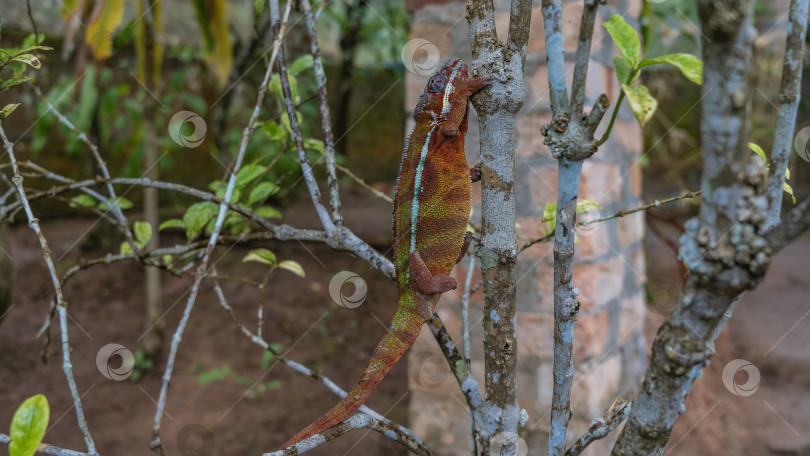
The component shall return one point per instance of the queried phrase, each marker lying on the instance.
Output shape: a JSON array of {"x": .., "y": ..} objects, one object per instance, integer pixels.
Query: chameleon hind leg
[{"x": 424, "y": 281}]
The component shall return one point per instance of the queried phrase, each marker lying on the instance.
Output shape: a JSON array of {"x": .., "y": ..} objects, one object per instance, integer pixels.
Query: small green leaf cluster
[
  {"x": 629, "y": 64},
  {"x": 267, "y": 257},
  {"x": 19, "y": 59},
  {"x": 249, "y": 191}
]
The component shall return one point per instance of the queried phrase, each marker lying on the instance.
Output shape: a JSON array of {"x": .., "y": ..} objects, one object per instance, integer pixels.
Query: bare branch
[
  {"x": 33, "y": 223},
  {"x": 326, "y": 118},
  {"x": 357, "y": 421},
  {"x": 44, "y": 448},
  {"x": 795, "y": 223},
  {"x": 789, "y": 96},
  {"x": 618, "y": 411}
]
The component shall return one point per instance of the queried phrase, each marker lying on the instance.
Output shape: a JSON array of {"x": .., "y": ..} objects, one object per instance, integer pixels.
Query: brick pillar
[{"x": 609, "y": 273}]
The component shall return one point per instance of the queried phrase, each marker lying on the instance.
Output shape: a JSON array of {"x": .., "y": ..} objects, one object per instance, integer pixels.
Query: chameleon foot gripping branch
[{"x": 431, "y": 210}]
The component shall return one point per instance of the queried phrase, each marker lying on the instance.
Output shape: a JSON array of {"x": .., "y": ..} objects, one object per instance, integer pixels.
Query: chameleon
[{"x": 431, "y": 210}]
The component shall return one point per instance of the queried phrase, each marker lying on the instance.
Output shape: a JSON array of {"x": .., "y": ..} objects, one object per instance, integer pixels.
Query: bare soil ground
[{"x": 253, "y": 410}]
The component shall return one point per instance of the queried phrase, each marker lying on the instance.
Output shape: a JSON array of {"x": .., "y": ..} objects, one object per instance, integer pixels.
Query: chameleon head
[{"x": 436, "y": 100}]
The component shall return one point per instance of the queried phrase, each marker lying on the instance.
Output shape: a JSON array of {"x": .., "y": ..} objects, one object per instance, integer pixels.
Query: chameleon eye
[{"x": 437, "y": 83}]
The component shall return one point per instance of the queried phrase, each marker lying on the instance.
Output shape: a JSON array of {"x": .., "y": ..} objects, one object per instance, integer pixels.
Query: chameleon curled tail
[{"x": 390, "y": 349}]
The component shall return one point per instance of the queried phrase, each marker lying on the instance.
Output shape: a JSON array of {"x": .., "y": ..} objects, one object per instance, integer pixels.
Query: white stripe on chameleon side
[
  {"x": 417, "y": 188},
  {"x": 448, "y": 89}
]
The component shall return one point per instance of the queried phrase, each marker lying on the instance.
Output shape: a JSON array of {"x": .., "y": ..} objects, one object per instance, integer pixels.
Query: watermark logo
[
  {"x": 102, "y": 44},
  {"x": 341, "y": 282},
  {"x": 195, "y": 440},
  {"x": 34, "y": 282},
  {"x": 730, "y": 372},
  {"x": 583, "y": 222},
  {"x": 428, "y": 370},
  {"x": 180, "y": 135},
  {"x": 802, "y": 143},
  {"x": 420, "y": 57},
  {"x": 662, "y": 296},
  {"x": 507, "y": 443},
  {"x": 107, "y": 362}
]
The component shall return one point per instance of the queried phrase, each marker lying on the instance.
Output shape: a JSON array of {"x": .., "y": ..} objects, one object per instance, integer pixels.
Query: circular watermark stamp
[
  {"x": 102, "y": 44},
  {"x": 507, "y": 443},
  {"x": 583, "y": 223},
  {"x": 662, "y": 296},
  {"x": 107, "y": 361},
  {"x": 739, "y": 65},
  {"x": 730, "y": 377},
  {"x": 179, "y": 131},
  {"x": 344, "y": 281},
  {"x": 428, "y": 370},
  {"x": 34, "y": 282},
  {"x": 802, "y": 143},
  {"x": 420, "y": 56},
  {"x": 195, "y": 440}
]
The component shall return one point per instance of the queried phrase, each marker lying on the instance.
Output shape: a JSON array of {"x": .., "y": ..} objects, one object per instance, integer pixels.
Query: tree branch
[
  {"x": 789, "y": 96},
  {"x": 357, "y": 421},
  {"x": 33, "y": 223},
  {"x": 723, "y": 247},
  {"x": 44, "y": 448}
]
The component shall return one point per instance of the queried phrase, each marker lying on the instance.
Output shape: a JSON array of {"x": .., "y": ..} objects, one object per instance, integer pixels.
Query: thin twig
[
  {"x": 223, "y": 209},
  {"x": 33, "y": 223},
  {"x": 357, "y": 421},
  {"x": 326, "y": 118},
  {"x": 44, "y": 448}
]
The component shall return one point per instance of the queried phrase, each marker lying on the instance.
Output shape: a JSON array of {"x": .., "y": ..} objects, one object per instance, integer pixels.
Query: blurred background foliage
[
  {"x": 672, "y": 138},
  {"x": 117, "y": 68},
  {"x": 212, "y": 54}
]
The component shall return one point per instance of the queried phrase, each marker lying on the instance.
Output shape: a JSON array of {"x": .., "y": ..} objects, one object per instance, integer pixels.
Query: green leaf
[
  {"x": 625, "y": 37},
  {"x": 274, "y": 131},
  {"x": 172, "y": 223},
  {"x": 28, "y": 426},
  {"x": 314, "y": 144},
  {"x": 641, "y": 102},
  {"x": 588, "y": 205},
  {"x": 787, "y": 174},
  {"x": 248, "y": 174},
  {"x": 258, "y": 6},
  {"x": 623, "y": 69},
  {"x": 123, "y": 203},
  {"x": 7, "y": 110},
  {"x": 758, "y": 150},
  {"x": 789, "y": 190},
  {"x": 302, "y": 63},
  {"x": 197, "y": 216},
  {"x": 83, "y": 201},
  {"x": 143, "y": 233},
  {"x": 690, "y": 66},
  {"x": 14, "y": 80},
  {"x": 217, "y": 373},
  {"x": 260, "y": 256},
  {"x": 293, "y": 267},
  {"x": 550, "y": 215},
  {"x": 125, "y": 248},
  {"x": 274, "y": 86},
  {"x": 268, "y": 212},
  {"x": 261, "y": 192},
  {"x": 29, "y": 59}
]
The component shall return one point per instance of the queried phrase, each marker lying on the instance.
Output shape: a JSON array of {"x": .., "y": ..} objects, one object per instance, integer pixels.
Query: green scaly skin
[{"x": 431, "y": 210}]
